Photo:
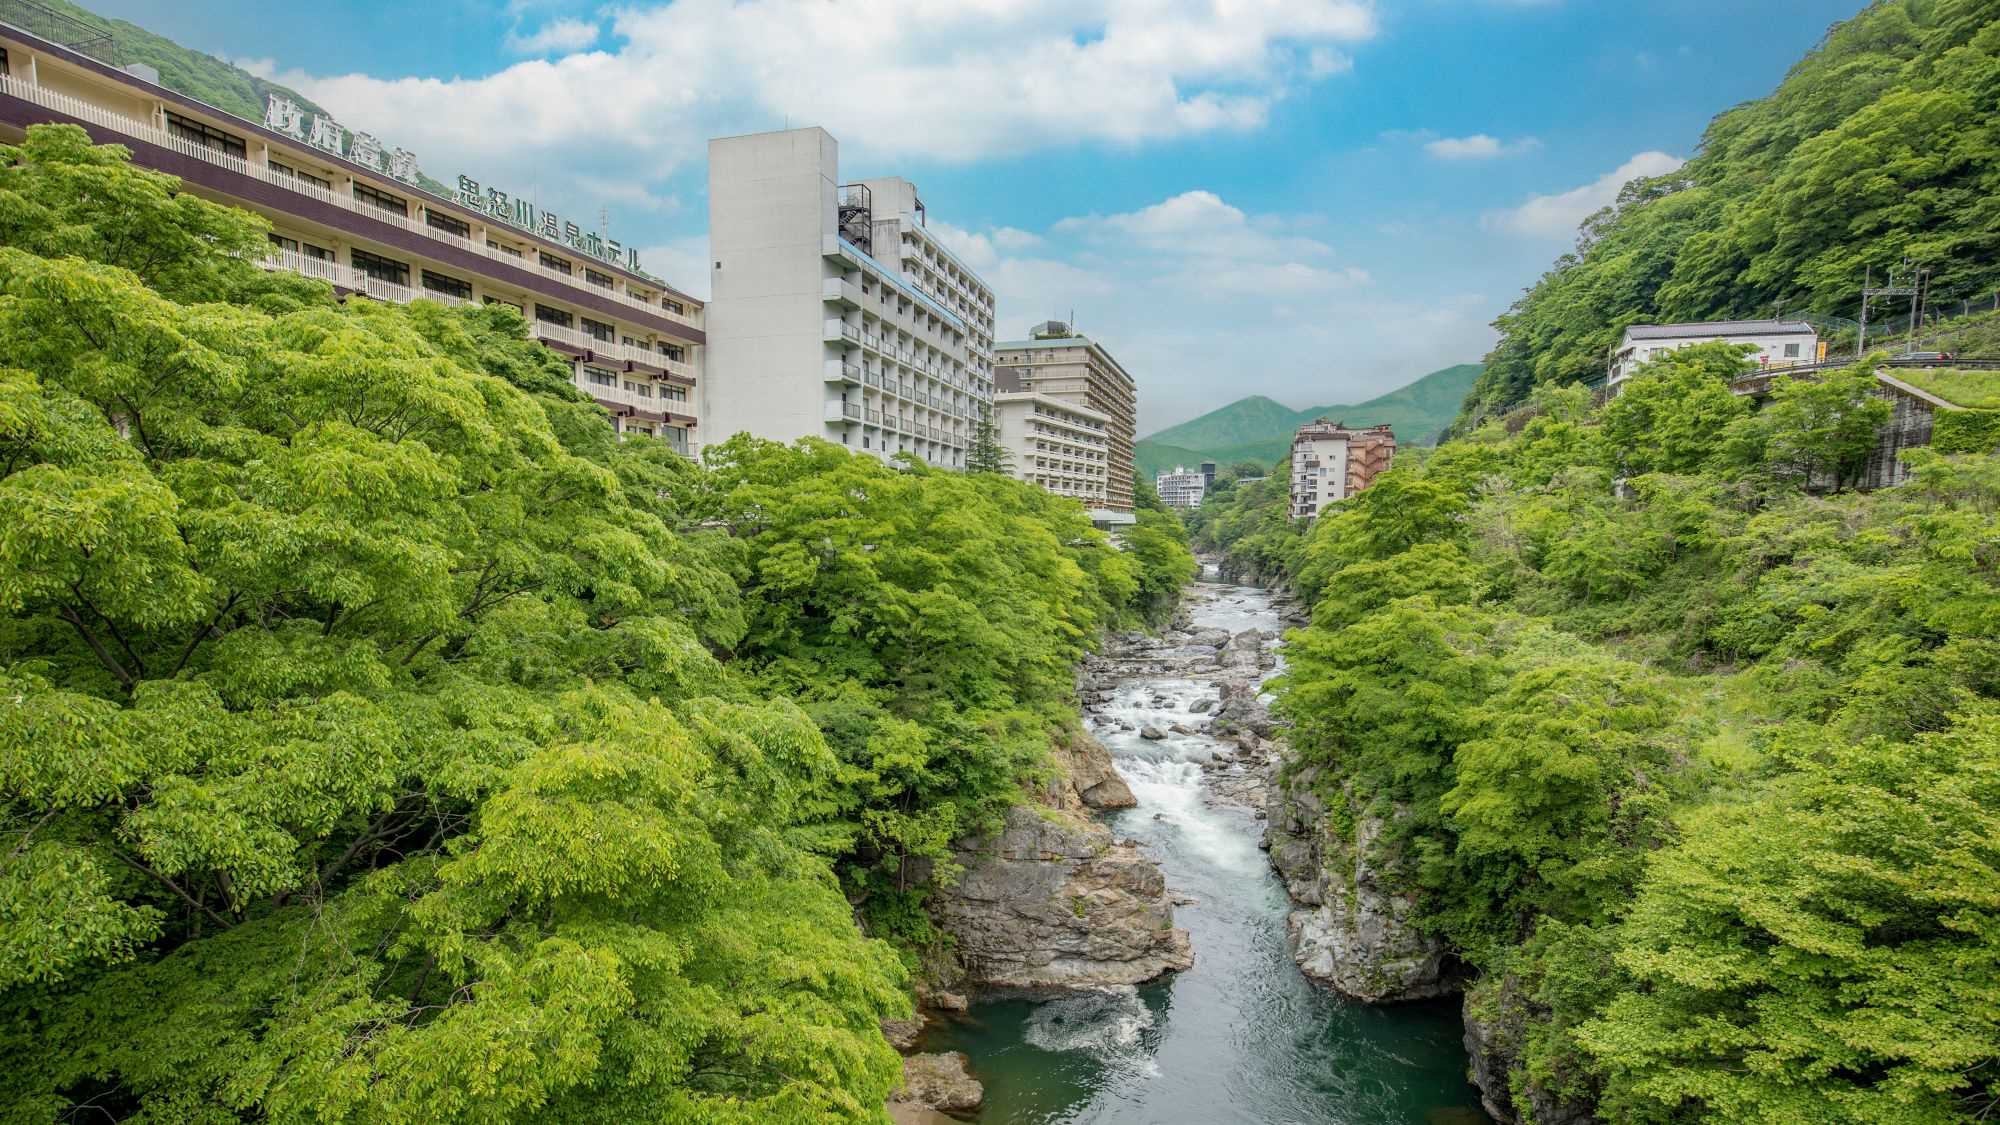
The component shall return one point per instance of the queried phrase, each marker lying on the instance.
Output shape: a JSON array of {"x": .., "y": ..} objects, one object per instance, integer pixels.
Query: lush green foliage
[
  {"x": 1694, "y": 767},
  {"x": 1883, "y": 143},
  {"x": 1260, "y": 430},
  {"x": 383, "y": 740}
]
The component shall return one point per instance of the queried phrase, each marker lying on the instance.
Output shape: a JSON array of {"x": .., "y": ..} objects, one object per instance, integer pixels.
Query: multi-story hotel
[
  {"x": 1331, "y": 462},
  {"x": 1181, "y": 488},
  {"x": 1063, "y": 364},
  {"x": 833, "y": 311},
  {"x": 345, "y": 210},
  {"x": 1055, "y": 444}
]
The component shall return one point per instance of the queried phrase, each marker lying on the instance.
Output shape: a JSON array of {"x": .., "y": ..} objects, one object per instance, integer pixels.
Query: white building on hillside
[
  {"x": 841, "y": 316},
  {"x": 1182, "y": 488},
  {"x": 1779, "y": 343},
  {"x": 1331, "y": 462}
]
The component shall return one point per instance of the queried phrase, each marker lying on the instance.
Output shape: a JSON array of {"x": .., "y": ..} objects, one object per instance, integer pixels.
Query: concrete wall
[{"x": 770, "y": 210}]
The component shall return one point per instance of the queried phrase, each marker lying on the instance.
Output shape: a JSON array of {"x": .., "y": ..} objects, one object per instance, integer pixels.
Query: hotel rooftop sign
[{"x": 283, "y": 115}]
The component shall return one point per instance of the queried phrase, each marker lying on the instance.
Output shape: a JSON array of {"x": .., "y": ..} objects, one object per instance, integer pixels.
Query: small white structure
[
  {"x": 1331, "y": 462},
  {"x": 1779, "y": 343},
  {"x": 1056, "y": 444},
  {"x": 1181, "y": 488}
]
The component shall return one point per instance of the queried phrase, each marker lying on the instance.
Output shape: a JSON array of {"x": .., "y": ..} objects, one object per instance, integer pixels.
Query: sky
[{"x": 1314, "y": 200}]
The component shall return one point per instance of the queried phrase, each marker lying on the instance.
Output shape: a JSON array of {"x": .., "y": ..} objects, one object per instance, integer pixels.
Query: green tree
[
  {"x": 1672, "y": 416},
  {"x": 1830, "y": 952},
  {"x": 987, "y": 454},
  {"x": 1823, "y": 430}
]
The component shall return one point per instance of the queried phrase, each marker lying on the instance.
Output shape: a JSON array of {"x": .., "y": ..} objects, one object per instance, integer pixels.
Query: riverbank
[{"x": 1240, "y": 1036}]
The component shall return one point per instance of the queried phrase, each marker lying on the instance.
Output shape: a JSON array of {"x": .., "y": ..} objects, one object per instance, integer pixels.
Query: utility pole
[{"x": 1870, "y": 290}]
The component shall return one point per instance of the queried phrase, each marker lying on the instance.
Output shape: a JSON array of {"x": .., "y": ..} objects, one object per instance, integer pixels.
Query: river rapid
[{"x": 1242, "y": 1036}]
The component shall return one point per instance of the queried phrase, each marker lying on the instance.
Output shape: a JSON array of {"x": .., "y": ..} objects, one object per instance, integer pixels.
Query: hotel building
[
  {"x": 1066, "y": 365},
  {"x": 1331, "y": 462},
  {"x": 1181, "y": 488},
  {"x": 1055, "y": 444},
  {"x": 344, "y": 210},
  {"x": 834, "y": 312}
]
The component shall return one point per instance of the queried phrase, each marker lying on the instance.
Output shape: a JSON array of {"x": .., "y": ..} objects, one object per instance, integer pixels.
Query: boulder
[
  {"x": 903, "y": 1034},
  {"x": 1151, "y": 733},
  {"x": 1053, "y": 903},
  {"x": 1090, "y": 779},
  {"x": 1201, "y": 707},
  {"x": 940, "y": 1082}
]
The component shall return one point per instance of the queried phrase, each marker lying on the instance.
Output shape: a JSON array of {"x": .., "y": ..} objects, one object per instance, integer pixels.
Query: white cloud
[
  {"x": 265, "y": 67},
  {"x": 1478, "y": 146},
  {"x": 1557, "y": 216},
  {"x": 558, "y": 36},
  {"x": 891, "y": 78},
  {"x": 1205, "y": 302}
]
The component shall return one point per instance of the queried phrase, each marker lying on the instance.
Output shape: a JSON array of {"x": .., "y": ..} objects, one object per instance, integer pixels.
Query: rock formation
[
  {"x": 1051, "y": 902},
  {"x": 938, "y": 1082},
  {"x": 1351, "y": 929}
]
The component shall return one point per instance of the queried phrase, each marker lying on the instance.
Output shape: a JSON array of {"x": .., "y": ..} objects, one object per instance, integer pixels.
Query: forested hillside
[
  {"x": 381, "y": 739},
  {"x": 1259, "y": 429},
  {"x": 1882, "y": 145},
  {"x": 221, "y": 84},
  {"x": 1698, "y": 775}
]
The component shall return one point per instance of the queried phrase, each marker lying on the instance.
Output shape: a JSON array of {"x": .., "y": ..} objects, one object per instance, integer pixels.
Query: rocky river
[{"x": 1076, "y": 1024}]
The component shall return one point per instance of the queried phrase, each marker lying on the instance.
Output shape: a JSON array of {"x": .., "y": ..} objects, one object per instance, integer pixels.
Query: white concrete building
[
  {"x": 833, "y": 307},
  {"x": 1779, "y": 343},
  {"x": 1057, "y": 445},
  {"x": 1182, "y": 488},
  {"x": 1331, "y": 462}
]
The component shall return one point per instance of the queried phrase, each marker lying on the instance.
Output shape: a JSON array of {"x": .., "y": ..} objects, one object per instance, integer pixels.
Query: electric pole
[{"x": 1869, "y": 291}]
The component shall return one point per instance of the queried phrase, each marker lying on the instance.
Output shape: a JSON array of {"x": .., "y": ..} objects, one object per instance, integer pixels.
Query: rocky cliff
[
  {"x": 1052, "y": 901},
  {"x": 1496, "y": 1017},
  {"x": 1350, "y": 928}
]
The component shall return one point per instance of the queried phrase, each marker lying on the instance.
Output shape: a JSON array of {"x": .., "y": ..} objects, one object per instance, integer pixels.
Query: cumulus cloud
[
  {"x": 559, "y": 36},
  {"x": 1557, "y": 216},
  {"x": 1478, "y": 146},
  {"x": 921, "y": 78}
]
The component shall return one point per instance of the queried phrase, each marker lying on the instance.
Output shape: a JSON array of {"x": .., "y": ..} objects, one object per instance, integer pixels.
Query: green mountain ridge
[{"x": 1259, "y": 428}]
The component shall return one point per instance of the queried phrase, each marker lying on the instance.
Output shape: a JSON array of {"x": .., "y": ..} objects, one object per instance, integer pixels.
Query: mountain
[{"x": 1260, "y": 429}]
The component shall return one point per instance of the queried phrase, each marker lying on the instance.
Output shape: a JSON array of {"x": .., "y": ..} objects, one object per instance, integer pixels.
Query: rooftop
[{"x": 1720, "y": 328}]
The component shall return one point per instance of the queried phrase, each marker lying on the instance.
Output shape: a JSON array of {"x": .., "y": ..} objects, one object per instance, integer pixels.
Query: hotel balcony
[
  {"x": 840, "y": 291},
  {"x": 841, "y": 371},
  {"x": 843, "y": 412},
  {"x": 145, "y": 132}
]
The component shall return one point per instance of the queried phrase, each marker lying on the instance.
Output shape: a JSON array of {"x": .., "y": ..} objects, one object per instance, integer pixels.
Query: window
[
  {"x": 382, "y": 199},
  {"x": 441, "y": 221},
  {"x": 548, "y": 315},
  {"x": 600, "y": 331},
  {"x": 643, "y": 390},
  {"x": 207, "y": 136},
  {"x": 510, "y": 251},
  {"x": 599, "y": 377},
  {"x": 673, "y": 394},
  {"x": 674, "y": 306},
  {"x": 283, "y": 243},
  {"x": 1791, "y": 351},
  {"x": 595, "y": 278},
  {"x": 509, "y": 304},
  {"x": 451, "y": 286},
  {"x": 673, "y": 351},
  {"x": 381, "y": 269},
  {"x": 290, "y": 172},
  {"x": 560, "y": 265}
]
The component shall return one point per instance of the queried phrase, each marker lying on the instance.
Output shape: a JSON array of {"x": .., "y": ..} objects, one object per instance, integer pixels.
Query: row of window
[{"x": 210, "y": 137}]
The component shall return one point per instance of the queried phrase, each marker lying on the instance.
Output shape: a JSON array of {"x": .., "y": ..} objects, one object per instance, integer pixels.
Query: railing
[{"x": 151, "y": 134}]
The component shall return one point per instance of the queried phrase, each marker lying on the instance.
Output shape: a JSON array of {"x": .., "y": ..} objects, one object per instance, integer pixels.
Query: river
[{"x": 1242, "y": 1036}]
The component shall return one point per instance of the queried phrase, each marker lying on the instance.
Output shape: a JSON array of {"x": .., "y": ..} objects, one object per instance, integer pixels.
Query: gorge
[{"x": 1242, "y": 1034}]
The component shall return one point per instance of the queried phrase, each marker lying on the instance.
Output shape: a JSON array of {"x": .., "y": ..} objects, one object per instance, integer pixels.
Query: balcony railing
[{"x": 144, "y": 131}]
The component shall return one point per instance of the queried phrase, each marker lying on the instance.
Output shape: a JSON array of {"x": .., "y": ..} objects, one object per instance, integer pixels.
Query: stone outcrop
[
  {"x": 1088, "y": 780},
  {"x": 939, "y": 1082},
  {"x": 1350, "y": 929},
  {"x": 1496, "y": 1018},
  {"x": 1051, "y": 902}
]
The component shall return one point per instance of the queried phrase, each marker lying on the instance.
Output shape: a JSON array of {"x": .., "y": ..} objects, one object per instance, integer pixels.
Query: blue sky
[{"x": 1316, "y": 200}]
